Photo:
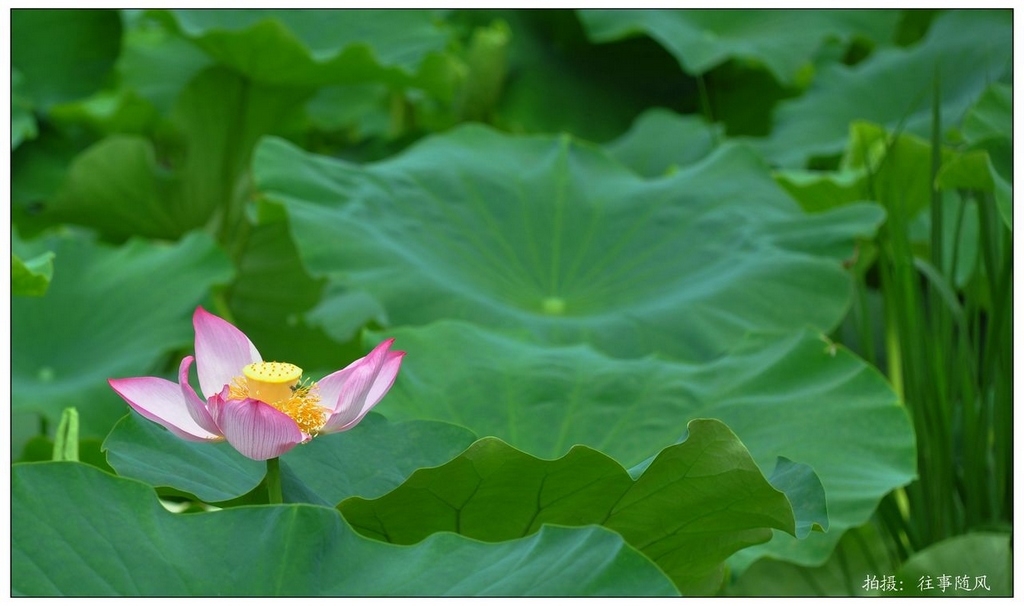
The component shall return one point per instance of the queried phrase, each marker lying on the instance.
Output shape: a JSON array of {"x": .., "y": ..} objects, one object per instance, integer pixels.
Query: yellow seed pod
[{"x": 271, "y": 382}]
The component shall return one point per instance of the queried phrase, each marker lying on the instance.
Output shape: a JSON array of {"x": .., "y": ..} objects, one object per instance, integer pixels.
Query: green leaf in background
[
  {"x": 38, "y": 168},
  {"x": 726, "y": 93},
  {"x": 157, "y": 64},
  {"x": 976, "y": 564},
  {"x": 315, "y": 48},
  {"x": 859, "y": 555},
  {"x": 486, "y": 59},
  {"x": 661, "y": 141},
  {"x": 1004, "y": 200},
  {"x": 221, "y": 115},
  {"x": 817, "y": 191},
  {"x": 368, "y": 460},
  {"x": 897, "y": 167},
  {"x": 63, "y": 55},
  {"x": 896, "y": 171},
  {"x": 120, "y": 187},
  {"x": 803, "y": 489},
  {"x": 83, "y": 532},
  {"x": 992, "y": 116},
  {"x": 23, "y": 122},
  {"x": 988, "y": 126},
  {"x": 558, "y": 81},
  {"x": 697, "y": 503},
  {"x": 108, "y": 112},
  {"x": 31, "y": 278},
  {"x": 970, "y": 170},
  {"x": 117, "y": 187},
  {"x": 796, "y": 397},
  {"x": 360, "y": 109},
  {"x": 270, "y": 295},
  {"x": 109, "y": 312},
  {"x": 783, "y": 40},
  {"x": 965, "y": 50},
  {"x": 552, "y": 237}
]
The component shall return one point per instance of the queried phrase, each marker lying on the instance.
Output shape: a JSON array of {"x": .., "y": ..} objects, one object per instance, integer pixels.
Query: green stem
[
  {"x": 705, "y": 104},
  {"x": 273, "y": 481}
]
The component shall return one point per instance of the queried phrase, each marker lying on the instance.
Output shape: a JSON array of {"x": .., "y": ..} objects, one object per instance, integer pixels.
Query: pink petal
[
  {"x": 196, "y": 407},
  {"x": 257, "y": 430},
  {"x": 221, "y": 351},
  {"x": 384, "y": 380},
  {"x": 359, "y": 387},
  {"x": 161, "y": 401},
  {"x": 332, "y": 386}
]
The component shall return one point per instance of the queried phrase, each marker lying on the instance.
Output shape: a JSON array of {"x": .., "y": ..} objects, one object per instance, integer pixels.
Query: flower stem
[{"x": 273, "y": 481}]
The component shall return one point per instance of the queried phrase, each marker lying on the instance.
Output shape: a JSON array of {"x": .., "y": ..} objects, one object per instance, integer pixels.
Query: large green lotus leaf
[
  {"x": 797, "y": 397},
  {"x": 976, "y": 564},
  {"x": 317, "y": 47},
  {"x": 142, "y": 450},
  {"x": 374, "y": 457},
  {"x": 368, "y": 460},
  {"x": 109, "y": 312},
  {"x": 783, "y": 40},
  {"x": 661, "y": 141},
  {"x": 63, "y": 55},
  {"x": 551, "y": 236},
  {"x": 23, "y": 122},
  {"x": 31, "y": 277},
  {"x": 697, "y": 502},
  {"x": 965, "y": 50},
  {"x": 79, "y": 531}
]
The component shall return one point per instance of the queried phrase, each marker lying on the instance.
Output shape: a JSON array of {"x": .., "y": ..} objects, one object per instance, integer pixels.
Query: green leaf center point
[{"x": 553, "y": 306}]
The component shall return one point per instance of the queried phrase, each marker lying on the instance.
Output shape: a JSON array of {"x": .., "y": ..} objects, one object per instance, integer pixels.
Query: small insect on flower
[{"x": 263, "y": 409}]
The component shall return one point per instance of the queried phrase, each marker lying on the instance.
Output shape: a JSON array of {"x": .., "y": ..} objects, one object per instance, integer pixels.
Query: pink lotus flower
[{"x": 263, "y": 409}]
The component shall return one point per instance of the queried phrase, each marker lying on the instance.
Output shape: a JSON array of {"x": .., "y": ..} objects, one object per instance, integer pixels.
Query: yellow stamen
[{"x": 277, "y": 384}]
